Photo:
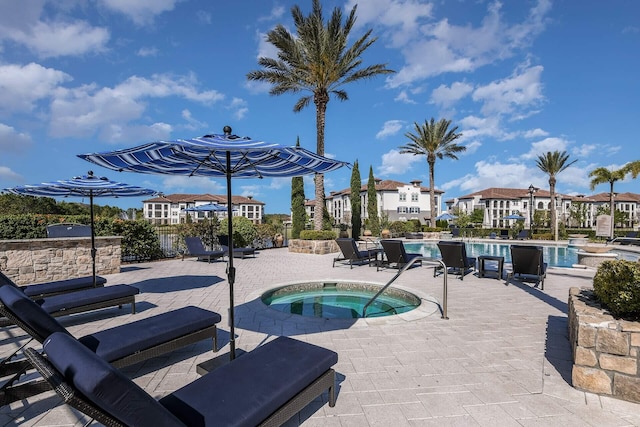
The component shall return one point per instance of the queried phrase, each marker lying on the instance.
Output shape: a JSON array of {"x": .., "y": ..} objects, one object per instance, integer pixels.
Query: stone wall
[
  {"x": 318, "y": 247},
  {"x": 606, "y": 351},
  {"x": 43, "y": 260}
]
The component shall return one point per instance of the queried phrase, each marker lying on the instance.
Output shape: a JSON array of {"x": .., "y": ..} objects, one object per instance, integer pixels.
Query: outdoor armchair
[
  {"x": 47, "y": 289},
  {"x": 196, "y": 248},
  {"x": 266, "y": 386},
  {"x": 528, "y": 264},
  {"x": 351, "y": 253},
  {"x": 396, "y": 255},
  {"x": 454, "y": 256}
]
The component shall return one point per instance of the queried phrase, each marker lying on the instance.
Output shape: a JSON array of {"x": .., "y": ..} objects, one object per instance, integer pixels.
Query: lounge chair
[
  {"x": 237, "y": 252},
  {"x": 631, "y": 238},
  {"x": 455, "y": 232},
  {"x": 528, "y": 264},
  {"x": 504, "y": 234},
  {"x": 121, "y": 345},
  {"x": 396, "y": 255},
  {"x": 523, "y": 235},
  {"x": 41, "y": 290},
  {"x": 352, "y": 255},
  {"x": 454, "y": 256},
  {"x": 492, "y": 235},
  {"x": 196, "y": 248},
  {"x": 266, "y": 386}
]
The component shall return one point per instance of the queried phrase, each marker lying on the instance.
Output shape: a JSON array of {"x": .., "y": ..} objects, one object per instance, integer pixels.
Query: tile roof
[
  {"x": 384, "y": 185},
  {"x": 192, "y": 198}
]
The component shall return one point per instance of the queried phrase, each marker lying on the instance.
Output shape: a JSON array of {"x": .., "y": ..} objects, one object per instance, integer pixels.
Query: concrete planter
[
  {"x": 606, "y": 351},
  {"x": 317, "y": 247}
]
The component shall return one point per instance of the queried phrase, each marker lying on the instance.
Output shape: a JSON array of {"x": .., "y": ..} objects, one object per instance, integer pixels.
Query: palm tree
[
  {"x": 436, "y": 141},
  {"x": 603, "y": 175},
  {"x": 552, "y": 163},
  {"x": 316, "y": 60},
  {"x": 633, "y": 168}
]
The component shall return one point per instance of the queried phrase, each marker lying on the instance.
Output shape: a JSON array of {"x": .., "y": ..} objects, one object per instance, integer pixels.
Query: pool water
[
  {"x": 339, "y": 300},
  {"x": 554, "y": 256}
]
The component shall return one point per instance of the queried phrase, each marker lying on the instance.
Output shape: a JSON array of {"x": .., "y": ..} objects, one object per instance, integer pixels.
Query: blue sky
[{"x": 517, "y": 78}]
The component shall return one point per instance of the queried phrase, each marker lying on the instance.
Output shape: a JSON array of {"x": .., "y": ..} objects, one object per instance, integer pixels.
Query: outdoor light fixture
[
  {"x": 558, "y": 203},
  {"x": 532, "y": 190}
]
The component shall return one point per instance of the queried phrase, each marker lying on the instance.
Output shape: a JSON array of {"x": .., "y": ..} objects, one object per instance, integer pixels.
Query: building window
[
  {"x": 414, "y": 197},
  {"x": 414, "y": 209},
  {"x": 403, "y": 197},
  {"x": 402, "y": 209}
]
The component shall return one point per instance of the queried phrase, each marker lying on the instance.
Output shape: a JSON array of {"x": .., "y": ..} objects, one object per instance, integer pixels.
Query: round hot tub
[{"x": 339, "y": 300}]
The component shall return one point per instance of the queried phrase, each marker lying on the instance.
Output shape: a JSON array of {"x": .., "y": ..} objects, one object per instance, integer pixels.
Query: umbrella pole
[
  {"x": 93, "y": 240},
  {"x": 231, "y": 271}
]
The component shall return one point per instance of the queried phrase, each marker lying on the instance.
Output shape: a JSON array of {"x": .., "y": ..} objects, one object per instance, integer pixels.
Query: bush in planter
[
  {"x": 617, "y": 286},
  {"x": 317, "y": 235}
]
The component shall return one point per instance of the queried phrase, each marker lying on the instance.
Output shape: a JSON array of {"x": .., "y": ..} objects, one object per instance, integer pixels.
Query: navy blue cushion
[
  {"x": 86, "y": 297},
  {"x": 104, "y": 385},
  {"x": 115, "y": 343},
  {"x": 59, "y": 286},
  {"x": 30, "y": 313},
  {"x": 253, "y": 386}
]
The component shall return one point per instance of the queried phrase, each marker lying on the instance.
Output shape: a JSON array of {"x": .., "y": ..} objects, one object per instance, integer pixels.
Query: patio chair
[
  {"x": 504, "y": 234},
  {"x": 196, "y": 248},
  {"x": 266, "y": 386},
  {"x": 523, "y": 235},
  {"x": 121, "y": 345},
  {"x": 528, "y": 264},
  {"x": 396, "y": 255},
  {"x": 241, "y": 252},
  {"x": 631, "y": 238},
  {"x": 455, "y": 232},
  {"x": 56, "y": 231},
  {"x": 47, "y": 289},
  {"x": 353, "y": 255},
  {"x": 454, "y": 256}
]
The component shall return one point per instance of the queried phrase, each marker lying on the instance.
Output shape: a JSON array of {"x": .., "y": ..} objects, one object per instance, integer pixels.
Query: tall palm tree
[
  {"x": 552, "y": 163},
  {"x": 633, "y": 168},
  {"x": 316, "y": 60},
  {"x": 436, "y": 141},
  {"x": 604, "y": 175}
]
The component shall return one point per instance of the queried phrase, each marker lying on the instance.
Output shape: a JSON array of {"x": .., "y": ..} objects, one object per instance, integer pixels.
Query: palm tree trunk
[
  {"x": 612, "y": 211},
  {"x": 321, "y": 101},
  {"x": 432, "y": 193},
  {"x": 552, "y": 194}
]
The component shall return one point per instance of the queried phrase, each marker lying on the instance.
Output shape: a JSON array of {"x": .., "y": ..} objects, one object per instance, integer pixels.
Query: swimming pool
[
  {"x": 336, "y": 300},
  {"x": 555, "y": 256}
]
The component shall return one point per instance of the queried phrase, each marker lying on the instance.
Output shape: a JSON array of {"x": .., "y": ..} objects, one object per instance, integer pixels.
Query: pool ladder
[{"x": 405, "y": 268}]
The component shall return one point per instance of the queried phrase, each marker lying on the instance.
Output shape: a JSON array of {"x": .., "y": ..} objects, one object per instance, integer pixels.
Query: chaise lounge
[
  {"x": 41, "y": 290},
  {"x": 196, "y": 248},
  {"x": 266, "y": 386},
  {"x": 528, "y": 264},
  {"x": 396, "y": 254},
  {"x": 454, "y": 256},
  {"x": 353, "y": 255},
  {"x": 241, "y": 252}
]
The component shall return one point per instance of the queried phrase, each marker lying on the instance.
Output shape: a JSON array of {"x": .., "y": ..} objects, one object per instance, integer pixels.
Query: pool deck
[{"x": 501, "y": 359}]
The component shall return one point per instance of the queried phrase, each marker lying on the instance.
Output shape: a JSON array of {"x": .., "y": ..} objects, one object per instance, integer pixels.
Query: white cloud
[
  {"x": 87, "y": 110},
  {"x": 8, "y": 174},
  {"x": 394, "y": 163},
  {"x": 12, "y": 140},
  {"x": 475, "y": 127},
  {"x": 389, "y": 128},
  {"x": 498, "y": 174},
  {"x": 545, "y": 145},
  {"x": 239, "y": 107},
  {"x": 192, "y": 123},
  {"x": 404, "y": 97},
  {"x": 472, "y": 147},
  {"x": 520, "y": 91},
  {"x": 191, "y": 184},
  {"x": 584, "y": 150},
  {"x": 204, "y": 17},
  {"x": 23, "y": 86},
  {"x": 142, "y": 12},
  {"x": 535, "y": 133},
  {"x": 276, "y": 13},
  {"x": 147, "y": 51},
  {"x": 445, "y": 96}
]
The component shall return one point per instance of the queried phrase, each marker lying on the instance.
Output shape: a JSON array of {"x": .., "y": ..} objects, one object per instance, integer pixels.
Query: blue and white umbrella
[
  {"x": 216, "y": 155},
  {"x": 514, "y": 216},
  {"x": 90, "y": 186},
  {"x": 445, "y": 216},
  {"x": 209, "y": 207}
]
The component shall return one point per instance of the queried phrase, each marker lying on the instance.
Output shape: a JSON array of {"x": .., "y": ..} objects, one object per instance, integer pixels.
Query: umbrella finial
[{"x": 227, "y": 130}]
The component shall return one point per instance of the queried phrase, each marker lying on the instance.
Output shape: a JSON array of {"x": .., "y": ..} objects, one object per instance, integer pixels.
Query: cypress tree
[
  {"x": 298, "y": 214},
  {"x": 372, "y": 205},
  {"x": 356, "y": 216}
]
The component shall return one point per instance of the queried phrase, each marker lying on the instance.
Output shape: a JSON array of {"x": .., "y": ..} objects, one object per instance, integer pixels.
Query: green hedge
[
  {"x": 617, "y": 286},
  {"x": 318, "y": 235}
]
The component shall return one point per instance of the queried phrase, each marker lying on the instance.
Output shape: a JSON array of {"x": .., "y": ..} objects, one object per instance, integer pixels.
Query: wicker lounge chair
[
  {"x": 454, "y": 256},
  {"x": 41, "y": 290},
  {"x": 121, "y": 345},
  {"x": 528, "y": 264},
  {"x": 351, "y": 253},
  {"x": 523, "y": 235},
  {"x": 196, "y": 248},
  {"x": 266, "y": 386},
  {"x": 237, "y": 252},
  {"x": 395, "y": 254}
]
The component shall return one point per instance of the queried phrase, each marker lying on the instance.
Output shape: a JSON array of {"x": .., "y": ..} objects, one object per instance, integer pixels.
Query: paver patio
[{"x": 502, "y": 358}]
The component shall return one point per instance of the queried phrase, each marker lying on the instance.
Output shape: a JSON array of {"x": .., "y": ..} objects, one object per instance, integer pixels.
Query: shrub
[
  {"x": 617, "y": 286},
  {"x": 317, "y": 235},
  {"x": 139, "y": 239},
  {"x": 244, "y": 231}
]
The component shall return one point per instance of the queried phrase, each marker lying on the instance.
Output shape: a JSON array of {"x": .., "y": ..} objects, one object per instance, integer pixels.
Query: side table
[{"x": 482, "y": 270}]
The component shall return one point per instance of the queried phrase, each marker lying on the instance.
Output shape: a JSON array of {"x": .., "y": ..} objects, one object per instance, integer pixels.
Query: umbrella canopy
[
  {"x": 216, "y": 155},
  {"x": 513, "y": 216},
  {"x": 445, "y": 216},
  {"x": 209, "y": 207},
  {"x": 84, "y": 186}
]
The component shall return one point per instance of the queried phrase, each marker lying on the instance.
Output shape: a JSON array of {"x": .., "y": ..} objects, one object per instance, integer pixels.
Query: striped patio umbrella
[
  {"x": 90, "y": 186},
  {"x": 223, "y": 156}
]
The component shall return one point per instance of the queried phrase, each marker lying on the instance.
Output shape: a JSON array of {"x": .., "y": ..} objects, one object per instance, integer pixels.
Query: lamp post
[{"x": 532, "y": 190}]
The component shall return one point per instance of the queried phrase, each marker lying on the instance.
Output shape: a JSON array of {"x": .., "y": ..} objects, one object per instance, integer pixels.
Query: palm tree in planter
[
  {"x": 603, "y": 175},
  {"x": 552, "y": 163},
  {"x": 435, "y": 141},
  {"x": 317, "y": 60}
]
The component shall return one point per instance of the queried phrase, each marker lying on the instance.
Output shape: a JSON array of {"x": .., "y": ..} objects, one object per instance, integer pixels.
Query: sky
[{"x": 517, "y": 78}]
